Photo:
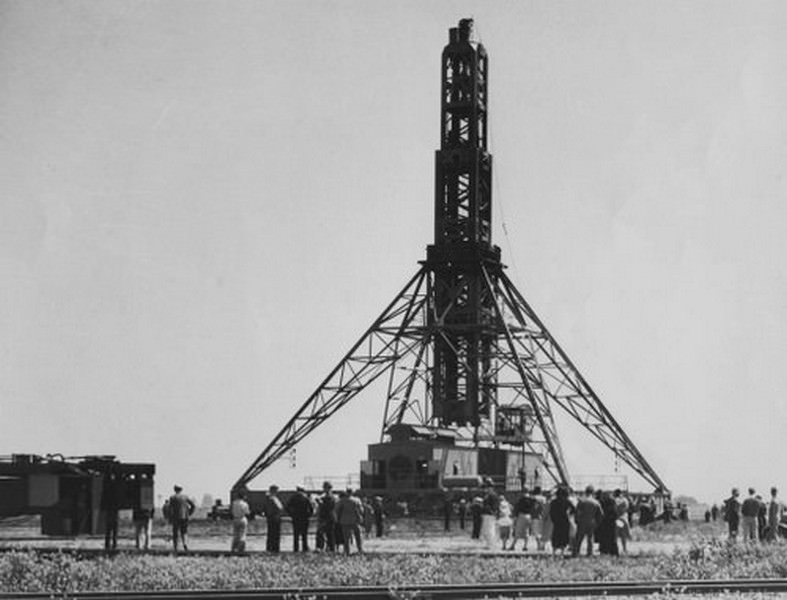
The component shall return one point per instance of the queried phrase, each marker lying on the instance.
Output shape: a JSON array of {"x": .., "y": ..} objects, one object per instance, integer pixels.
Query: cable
[
  {"x": 495, "y": 181},
  {"x": 496, "y": 193}
]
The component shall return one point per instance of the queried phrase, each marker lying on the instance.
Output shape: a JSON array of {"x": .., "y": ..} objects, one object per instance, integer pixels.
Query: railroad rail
[{"x": 452, "y": 592}]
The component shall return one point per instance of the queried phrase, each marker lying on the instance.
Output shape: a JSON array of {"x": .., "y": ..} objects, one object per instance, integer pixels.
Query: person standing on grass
[
  {"x": 632, "y": 510},
  {"x": 489, "y": 512},
  {"x": 326, "y": 519},
  {"x": 560, "y": 511},
  {"x": 239, "y": 510},
  {"x": 462, "y": 512},
  {"x": 504, "y": 521},
  {"x": 143, "y": 524},
  {"x": 588, "y": 517},
  {"x": 349, "y": 514},
  {"x": 379, "y": 516},
  {"x": 181, "y": 508},
  {"x": 606, "y": 534},
  {"x": 750, "y": 510},
  {"x": 523, "y": 519},
  {"x": 546, "y": 523},
  {"x": 368, "y": 517},
  {"x": 476, "y": 506},
  {"x": 537, "y": 517},
  {"x": 762, "y": 518},
  {"x": 683, "y": 512},
  {"x": 622, "y": 525},
  {"x": 775, "y": 514},
  {"x": 300, "y": 510},
  {"x": 110, "y": 503},
  {"x": 448, "y": 508},
  {"x": 273, "y": 509},
  {"x": 732, "y": 514}
]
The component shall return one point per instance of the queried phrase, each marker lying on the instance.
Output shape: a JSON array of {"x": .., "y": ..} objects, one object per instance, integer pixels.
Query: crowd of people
[
  {"x": 566, "y": 522},
  {"x": 560, "y": 521},
  {"x": 753, "y": 518},
  {"x": 343, "y": 520}
]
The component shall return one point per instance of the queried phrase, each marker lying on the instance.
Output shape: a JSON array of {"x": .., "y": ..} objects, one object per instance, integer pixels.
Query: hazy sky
[{"x": 204, "y": 204}]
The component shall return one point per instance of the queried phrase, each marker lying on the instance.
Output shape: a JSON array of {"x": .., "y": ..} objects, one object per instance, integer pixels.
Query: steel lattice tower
[{"x": 459, "y": 345}]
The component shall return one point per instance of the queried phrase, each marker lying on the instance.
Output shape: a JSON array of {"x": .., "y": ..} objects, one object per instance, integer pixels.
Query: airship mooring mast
[{"x": 461, "y": 349}]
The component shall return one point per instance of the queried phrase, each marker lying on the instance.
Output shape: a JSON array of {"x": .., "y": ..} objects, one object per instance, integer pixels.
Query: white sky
[{"x": 203, "y": 204}]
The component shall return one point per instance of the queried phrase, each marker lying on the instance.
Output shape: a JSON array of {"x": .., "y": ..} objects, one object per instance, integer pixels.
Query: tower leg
[{"x": 397, "y": 332}]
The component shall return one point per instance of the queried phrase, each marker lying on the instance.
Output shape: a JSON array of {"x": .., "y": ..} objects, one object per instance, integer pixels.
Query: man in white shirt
[{"x": 239, "y": 509}]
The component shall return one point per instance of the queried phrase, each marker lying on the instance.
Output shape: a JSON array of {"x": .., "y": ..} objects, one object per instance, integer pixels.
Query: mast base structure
[{"x": 474, "y": 377}]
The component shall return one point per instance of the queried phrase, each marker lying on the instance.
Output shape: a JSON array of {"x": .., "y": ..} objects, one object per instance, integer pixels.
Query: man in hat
[
  {"x": 326, "y": 519},
  {"x": 732, "y": 513},
  {"x": 750, "y": 509},
  {"x": 273, "y": 510},
  {"x": 300, "y": 509},
  {"x": 181, "y": 507}
]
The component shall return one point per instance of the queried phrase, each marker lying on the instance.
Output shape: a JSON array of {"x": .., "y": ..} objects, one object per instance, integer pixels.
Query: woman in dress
[{"x": 560, "y": 510}]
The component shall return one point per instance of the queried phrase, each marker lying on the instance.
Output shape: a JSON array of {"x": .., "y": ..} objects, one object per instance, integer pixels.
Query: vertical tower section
[
  {"x": 463, "y": 171},
  {"x": 463, "y": 311}
]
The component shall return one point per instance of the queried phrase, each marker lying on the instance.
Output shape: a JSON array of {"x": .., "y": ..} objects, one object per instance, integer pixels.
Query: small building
[{"x": 421, "y": 458}]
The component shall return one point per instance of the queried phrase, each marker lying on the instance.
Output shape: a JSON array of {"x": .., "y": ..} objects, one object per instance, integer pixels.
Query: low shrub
[{"x": 28, "y": 571}]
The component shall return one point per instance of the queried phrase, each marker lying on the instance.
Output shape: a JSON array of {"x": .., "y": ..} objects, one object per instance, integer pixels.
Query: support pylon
[{"x": 459, "y": 345}]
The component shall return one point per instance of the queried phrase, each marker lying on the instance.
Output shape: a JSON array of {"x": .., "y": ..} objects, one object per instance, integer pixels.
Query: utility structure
[
  {"x": 72, "y": 495},
  {"x": 470, "y": 368}
]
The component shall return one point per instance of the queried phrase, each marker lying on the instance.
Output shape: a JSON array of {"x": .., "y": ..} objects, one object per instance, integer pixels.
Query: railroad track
[{"x": 453, "y": 592}]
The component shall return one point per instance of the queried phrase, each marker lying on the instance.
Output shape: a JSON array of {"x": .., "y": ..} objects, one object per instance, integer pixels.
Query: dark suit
[
  {"x": 300, "y": 509},
  {"x": 273, "y": 511}
]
